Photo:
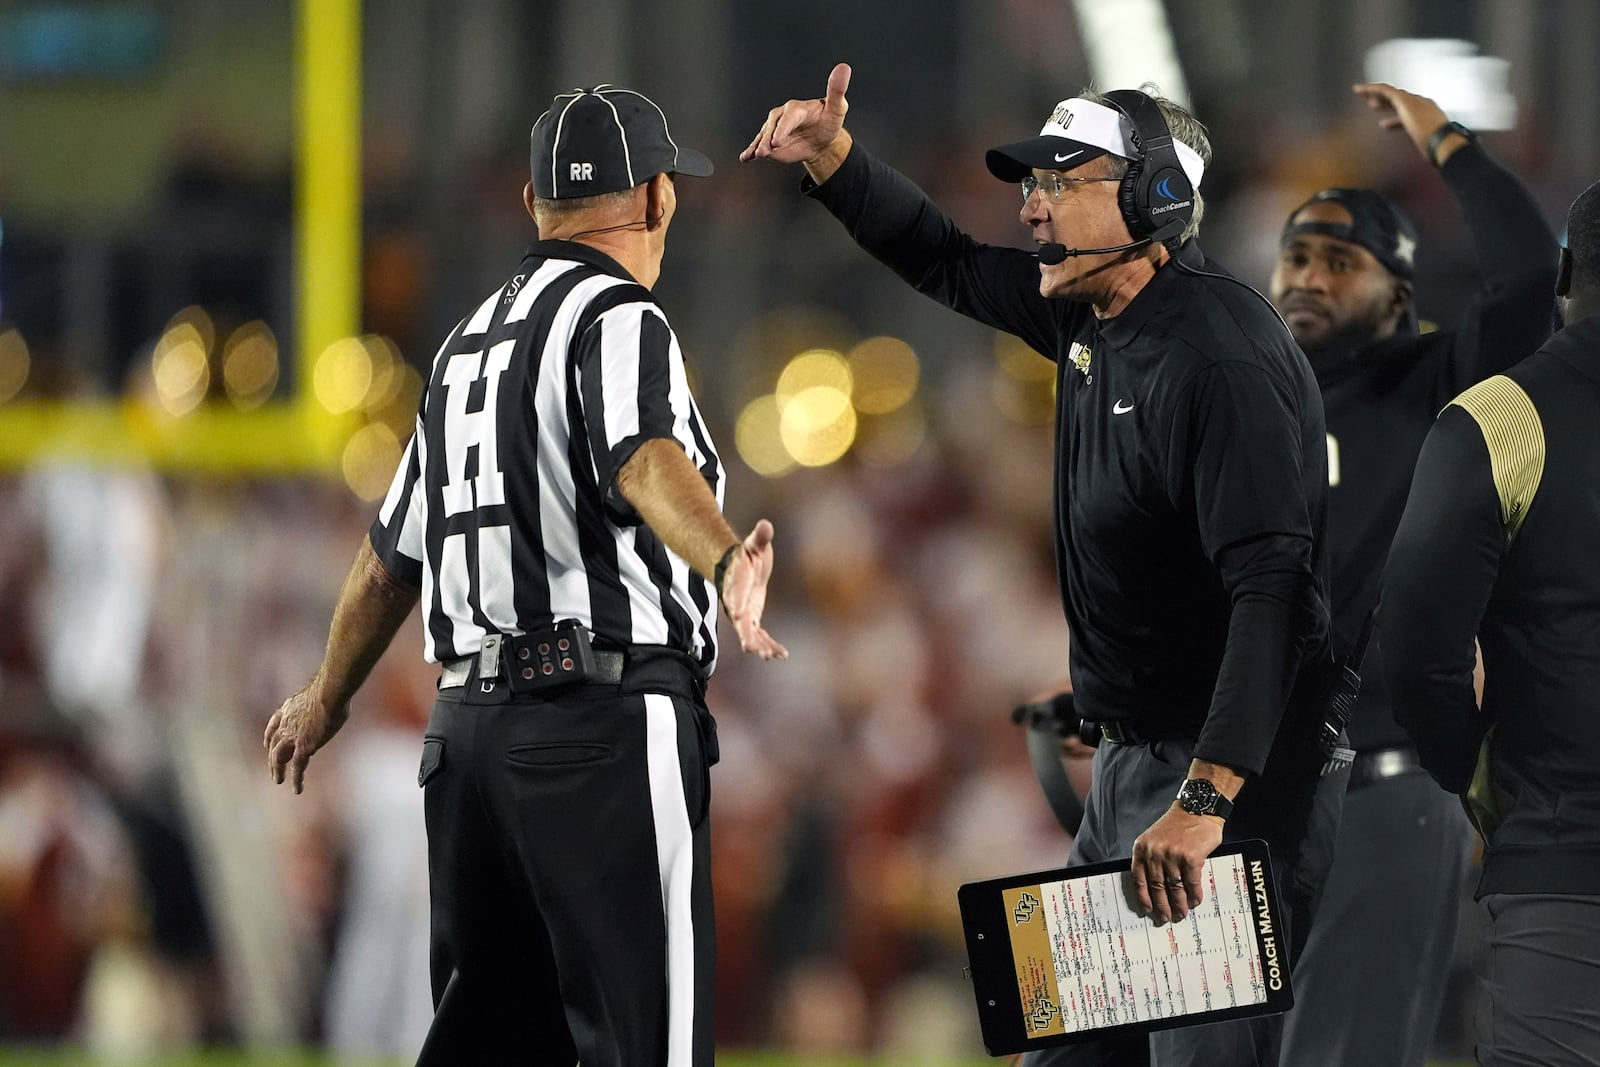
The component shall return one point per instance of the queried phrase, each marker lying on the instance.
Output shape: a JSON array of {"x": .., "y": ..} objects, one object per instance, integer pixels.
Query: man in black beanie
[{"x": 1343, "y": 283}]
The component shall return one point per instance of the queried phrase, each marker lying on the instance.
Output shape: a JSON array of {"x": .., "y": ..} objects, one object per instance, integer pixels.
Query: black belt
[
  {"x": 607, "y": 670},
  {"x": 1119, "y": 732},
  {"x": 1378, "y": 764},
  {"x": 1126, "y": 732},
  {"x": 511, "y": 668},
  {"x": 517, "y": 658}
]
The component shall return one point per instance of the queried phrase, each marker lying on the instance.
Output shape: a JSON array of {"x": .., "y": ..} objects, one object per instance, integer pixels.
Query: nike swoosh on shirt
[
  {"x": 1069, "y": 155},
  {"x": 1118, "y": 409}
]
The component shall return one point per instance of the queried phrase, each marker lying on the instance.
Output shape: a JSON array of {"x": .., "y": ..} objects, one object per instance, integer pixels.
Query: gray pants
[
  {"x": 1541, "y": 970},
  {"x": 1394, "y": 895},
  {"x": 1297, "y": 815}
]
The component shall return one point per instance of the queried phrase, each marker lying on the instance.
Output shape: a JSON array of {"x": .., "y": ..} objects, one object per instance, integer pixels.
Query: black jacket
[
  {"x": 1381, "y": 402},
  {"x": 1191, "y": 474},
  {"x": 1498, "y": 541}
]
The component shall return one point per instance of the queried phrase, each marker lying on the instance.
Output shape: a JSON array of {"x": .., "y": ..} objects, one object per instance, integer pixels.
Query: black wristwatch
[
  {"x": 720, "y": 575},
  {"x": 1445, "y": 131},
  {"x": 1199, "y": 797}
]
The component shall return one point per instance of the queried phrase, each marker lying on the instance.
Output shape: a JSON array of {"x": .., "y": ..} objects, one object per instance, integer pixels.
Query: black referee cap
[{"x": 605, "y": 140}]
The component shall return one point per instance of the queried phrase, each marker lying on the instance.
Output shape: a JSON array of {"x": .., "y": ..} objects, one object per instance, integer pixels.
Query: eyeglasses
[{"x": 1053, "y": 185}]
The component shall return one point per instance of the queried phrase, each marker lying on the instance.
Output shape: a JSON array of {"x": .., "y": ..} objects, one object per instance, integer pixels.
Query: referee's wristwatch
[
  {"x": 1198, "y": 796},
  {"x": 720, "y": 575}
]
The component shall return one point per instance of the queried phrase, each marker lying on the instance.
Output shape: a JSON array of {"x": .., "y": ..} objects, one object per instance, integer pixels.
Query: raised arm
[
  {"x": 807, "y": 131},
  {"x": 1516, "y": 248},
  {"x": 891, "y": 218}
]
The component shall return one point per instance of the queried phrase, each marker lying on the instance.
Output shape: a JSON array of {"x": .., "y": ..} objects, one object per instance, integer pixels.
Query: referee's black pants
[{"x": 569, "y": 856}]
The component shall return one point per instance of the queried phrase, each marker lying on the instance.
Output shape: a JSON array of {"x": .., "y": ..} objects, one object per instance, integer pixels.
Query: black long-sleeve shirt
[
  {"x": 1381, "y": 402},
  {"x": 1498, "y": 541},
  {"x": 1191, "y": 472}
]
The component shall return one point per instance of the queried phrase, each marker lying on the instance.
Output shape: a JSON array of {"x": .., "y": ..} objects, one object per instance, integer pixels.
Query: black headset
[
  {"x": 1564, "y": 272},
  {"x": 1156, "y": 197}
]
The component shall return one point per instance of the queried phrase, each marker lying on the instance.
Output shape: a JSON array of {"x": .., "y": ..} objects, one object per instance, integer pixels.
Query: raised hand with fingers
[
  {"x": 801, "y": 130},
  {"x": 1417, "y": 115},
  {"x": 744, "y": 592}
]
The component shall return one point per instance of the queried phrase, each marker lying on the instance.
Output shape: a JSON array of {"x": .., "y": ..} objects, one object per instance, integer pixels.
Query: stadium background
[{"x": 231, "y": 234}]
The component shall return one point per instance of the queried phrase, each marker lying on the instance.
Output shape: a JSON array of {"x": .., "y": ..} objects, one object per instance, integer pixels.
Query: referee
[{"x": 558, "y": 513}]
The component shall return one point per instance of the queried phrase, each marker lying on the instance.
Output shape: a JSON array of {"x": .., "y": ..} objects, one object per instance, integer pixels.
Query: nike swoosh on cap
[{"x": 1069, "y": 155}]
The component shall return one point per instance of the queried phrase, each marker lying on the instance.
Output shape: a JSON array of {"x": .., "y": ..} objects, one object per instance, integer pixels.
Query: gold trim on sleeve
[{"x": 1515, "y": 437}]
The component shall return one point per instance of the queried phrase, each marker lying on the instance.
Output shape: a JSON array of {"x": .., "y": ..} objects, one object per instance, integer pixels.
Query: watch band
[
  {"x": 721, "y": 571},
  {"x": 1222, "y": 807},
  {"x": 1199, "y": 796},
  {"x": 1445, "y": 131}
]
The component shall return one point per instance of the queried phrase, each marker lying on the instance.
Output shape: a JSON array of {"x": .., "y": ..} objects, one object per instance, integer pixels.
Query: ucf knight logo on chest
[{"x": 1078, "y": 355}]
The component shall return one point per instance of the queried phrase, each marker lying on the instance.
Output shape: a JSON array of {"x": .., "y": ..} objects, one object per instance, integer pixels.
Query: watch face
[{"x": 1197, "y": 797}]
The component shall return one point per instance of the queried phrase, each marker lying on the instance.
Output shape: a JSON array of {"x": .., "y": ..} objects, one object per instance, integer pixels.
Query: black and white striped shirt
[{"x": 505, "y": 508}]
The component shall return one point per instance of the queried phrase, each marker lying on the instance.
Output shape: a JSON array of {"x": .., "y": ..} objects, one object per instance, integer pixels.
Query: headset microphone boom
[{"x": 1053, "y": 253}]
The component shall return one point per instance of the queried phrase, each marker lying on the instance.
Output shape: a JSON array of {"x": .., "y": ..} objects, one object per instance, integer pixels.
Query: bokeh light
[
  {"x": 399, "y": 411},
  {"x": 250, "y": 365},
  {"x": 758, "y": 440},
  {"x": 816, "y": 368},
  {"x": 817, "y": 425},
  {"x": 781, "y": 332},
  {"x": 387, "y": 372},
  {"x": 890, "y": 440},
  {"x": 14, "y": 364},
  {"x": 343, "y": 375},
  {"x": 370, "y": 458},
  {"x": 1024, "y": 383},
  {"x": 884, "y": 372},
  {"x": 181, "y": 362}
]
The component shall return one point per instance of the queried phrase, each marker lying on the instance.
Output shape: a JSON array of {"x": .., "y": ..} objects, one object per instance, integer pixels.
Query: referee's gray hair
[
  {"x": 1183, "y": 126},
  {"x": 572, "y": 205}
]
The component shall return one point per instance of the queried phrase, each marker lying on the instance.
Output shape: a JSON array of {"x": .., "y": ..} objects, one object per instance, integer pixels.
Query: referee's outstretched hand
[
  {"x": 299, "y": 727},
  {"x": 802, "y": 129},
  {"x": 744, "y": 593}
]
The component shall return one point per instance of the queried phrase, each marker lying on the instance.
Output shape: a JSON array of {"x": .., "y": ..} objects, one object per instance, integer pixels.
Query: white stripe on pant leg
[{"x": 675, "y": 855}]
